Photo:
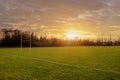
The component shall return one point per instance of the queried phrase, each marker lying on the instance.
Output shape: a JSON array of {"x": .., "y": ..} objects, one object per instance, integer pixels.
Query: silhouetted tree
[{"x": 12, "y": 38}]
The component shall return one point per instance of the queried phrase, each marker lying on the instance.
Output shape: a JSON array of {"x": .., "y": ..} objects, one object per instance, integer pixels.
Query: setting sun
[{"x": 71, "y": 35}]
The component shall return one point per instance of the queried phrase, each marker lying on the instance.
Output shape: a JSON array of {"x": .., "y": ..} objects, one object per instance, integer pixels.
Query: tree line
[{"x": 17, "y": 38}]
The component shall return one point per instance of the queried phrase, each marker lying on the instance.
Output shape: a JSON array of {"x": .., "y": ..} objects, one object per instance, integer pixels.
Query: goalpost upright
[{"x": 21, "y": 41}]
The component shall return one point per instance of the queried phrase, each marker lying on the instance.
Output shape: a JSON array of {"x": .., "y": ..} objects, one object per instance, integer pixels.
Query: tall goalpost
[{"x": 29, "y": 41}]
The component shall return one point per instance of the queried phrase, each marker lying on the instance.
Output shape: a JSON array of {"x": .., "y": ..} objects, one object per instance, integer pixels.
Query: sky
[{"x": 88, "y": 18}]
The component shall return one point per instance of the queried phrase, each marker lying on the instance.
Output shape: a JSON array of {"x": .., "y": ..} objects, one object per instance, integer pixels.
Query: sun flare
[{"x": 72, "y": 35}]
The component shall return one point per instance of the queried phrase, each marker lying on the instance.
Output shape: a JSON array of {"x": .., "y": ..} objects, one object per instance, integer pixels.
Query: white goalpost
[{"x": 30, "y": 38}]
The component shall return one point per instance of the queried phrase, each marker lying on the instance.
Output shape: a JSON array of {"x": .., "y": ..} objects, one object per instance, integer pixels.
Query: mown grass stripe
[{"x": 65, "y": 64}]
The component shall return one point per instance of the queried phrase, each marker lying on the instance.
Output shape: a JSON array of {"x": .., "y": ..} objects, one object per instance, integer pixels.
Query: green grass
[{"x": 60, "y": 63}]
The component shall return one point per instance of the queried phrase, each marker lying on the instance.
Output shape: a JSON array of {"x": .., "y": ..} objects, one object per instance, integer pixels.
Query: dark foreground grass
[{"x": 62, "y": 63}]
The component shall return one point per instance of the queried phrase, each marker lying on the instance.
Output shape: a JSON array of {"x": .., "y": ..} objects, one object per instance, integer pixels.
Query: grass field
[{"x": 60, "y": 63}]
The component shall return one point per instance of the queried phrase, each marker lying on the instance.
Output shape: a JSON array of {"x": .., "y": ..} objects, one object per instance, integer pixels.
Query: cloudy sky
[{"x": 56, "y": 17}]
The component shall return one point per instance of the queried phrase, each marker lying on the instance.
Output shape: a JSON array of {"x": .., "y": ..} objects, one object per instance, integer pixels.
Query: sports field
[{"x": 60, "y": 63}]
